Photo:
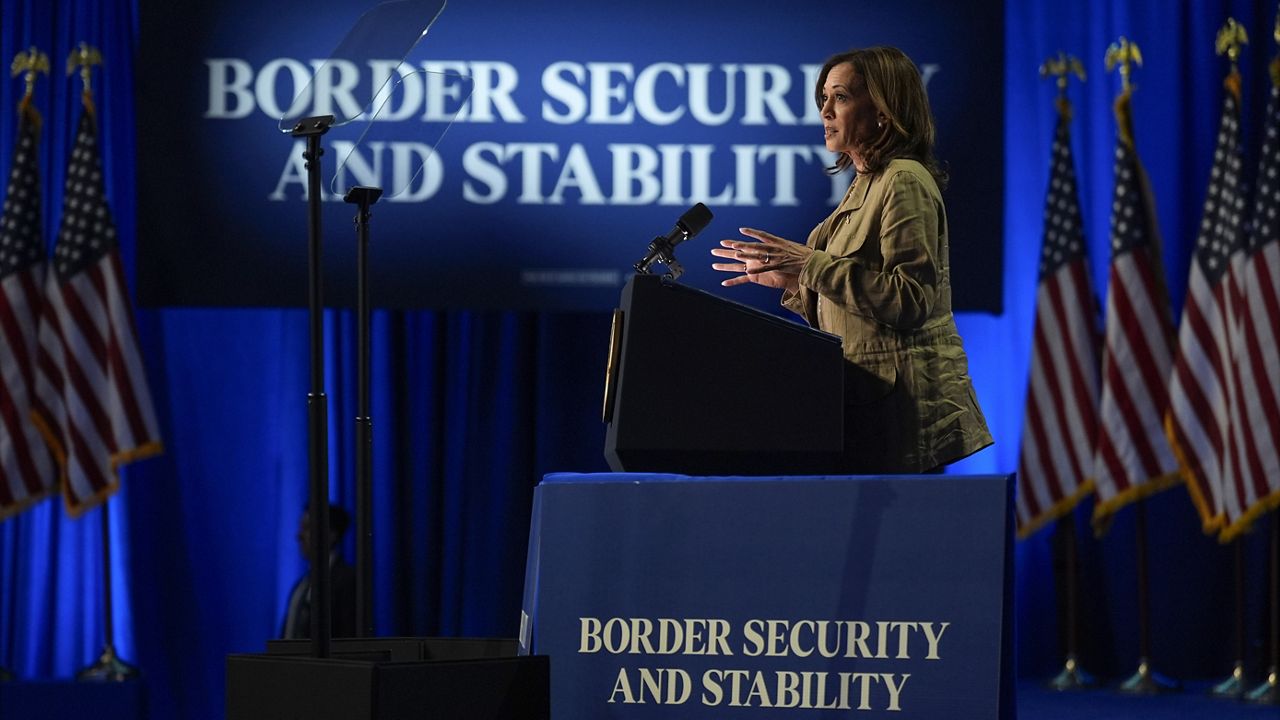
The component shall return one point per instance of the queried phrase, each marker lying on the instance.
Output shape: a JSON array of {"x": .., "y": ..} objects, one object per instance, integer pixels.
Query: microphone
[{"x": 692, "y": 222}]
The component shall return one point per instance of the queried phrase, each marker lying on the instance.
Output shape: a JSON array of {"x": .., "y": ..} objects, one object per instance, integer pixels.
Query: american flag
[
  {"x": 1133, "y": 458},
  {"x": 92, "y": 401},
  {"x": 1256, "y": 488},
  {"x": 26, "y": 468},
  {"x": 1204, "y": 385},
  {"x": 1061, "y": 418}
]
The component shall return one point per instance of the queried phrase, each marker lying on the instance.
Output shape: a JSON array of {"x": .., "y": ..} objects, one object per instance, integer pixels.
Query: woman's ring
[{"x": 766, "y": 258}]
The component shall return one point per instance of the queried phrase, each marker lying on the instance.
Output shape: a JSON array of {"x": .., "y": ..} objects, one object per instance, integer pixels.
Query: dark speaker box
[{"x": 390, "y": 679}]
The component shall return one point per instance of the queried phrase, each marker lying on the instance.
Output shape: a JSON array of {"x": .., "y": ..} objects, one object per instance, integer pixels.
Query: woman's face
[{"x": 848, "y": 115}]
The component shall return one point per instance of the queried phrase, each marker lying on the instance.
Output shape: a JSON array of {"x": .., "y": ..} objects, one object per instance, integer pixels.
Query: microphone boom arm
[{"x": 662, "y": 250}]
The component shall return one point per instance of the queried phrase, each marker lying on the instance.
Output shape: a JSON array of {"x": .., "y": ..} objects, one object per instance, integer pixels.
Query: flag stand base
[
  {"x": 109, "y": 668},
  {"x": 1233, "y": 686},
  {"x": 1147, "y": 682},
  {"x": 1268, "y": 693},
  {"x": 1071, "y": 677}
]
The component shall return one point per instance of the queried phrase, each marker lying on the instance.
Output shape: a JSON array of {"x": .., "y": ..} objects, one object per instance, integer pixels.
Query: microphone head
[{"x": 694, "y": 220}]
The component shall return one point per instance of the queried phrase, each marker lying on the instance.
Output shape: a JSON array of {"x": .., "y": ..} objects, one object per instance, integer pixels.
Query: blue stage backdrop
[
  {"x": 471, "y": 408},
  {"x": 590, "y": 128}
]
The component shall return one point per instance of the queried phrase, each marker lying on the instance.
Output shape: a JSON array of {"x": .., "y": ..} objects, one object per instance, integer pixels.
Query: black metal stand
[
  {"x": 313, "y": 129},
  {"x": 5, "y": 675},
  {"x": 1234, "y": 685},
  {"x": 363, "y": 197},
  {"x": 661, "y": 251},
  {"x": 109, "y": 666},
  {"x": 1268, "y": 693},
  {"x": 1144, "y": 681},
  {"x": 1071, "y": 677},
  {"x": 372, "y": 678},
  {"x": 368, "y": 677}
]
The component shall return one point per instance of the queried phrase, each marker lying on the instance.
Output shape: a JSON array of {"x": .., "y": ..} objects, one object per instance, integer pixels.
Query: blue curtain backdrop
[
  {"x": 1176, "y": 108},
  {"x": 471, "y": 408}
]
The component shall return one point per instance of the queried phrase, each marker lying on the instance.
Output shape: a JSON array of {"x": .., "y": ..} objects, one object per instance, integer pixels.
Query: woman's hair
[{"x": 895, "y": 87}]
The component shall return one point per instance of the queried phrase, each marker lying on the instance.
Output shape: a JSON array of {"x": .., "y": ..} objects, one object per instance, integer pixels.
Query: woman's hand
[{"x": 768, "y": 260}]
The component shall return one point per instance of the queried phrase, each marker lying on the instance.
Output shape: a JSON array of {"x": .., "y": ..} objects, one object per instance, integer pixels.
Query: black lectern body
[{"x": 701, "y": 385}]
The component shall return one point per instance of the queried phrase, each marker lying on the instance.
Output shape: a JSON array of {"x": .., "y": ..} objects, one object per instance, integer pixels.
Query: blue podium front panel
[{"x": 666, "y": 596}]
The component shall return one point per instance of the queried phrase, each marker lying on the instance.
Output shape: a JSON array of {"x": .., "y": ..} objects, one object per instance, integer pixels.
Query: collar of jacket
[{"x": 856, "y": 196}]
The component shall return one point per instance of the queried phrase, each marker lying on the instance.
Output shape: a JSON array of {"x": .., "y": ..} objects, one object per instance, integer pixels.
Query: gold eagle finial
[
  {"x": 1061, "y": 67},
  {"x": 1231, "y": 38},
  {"x": 28, "y": 64},
  {"x": 1125, "y": 54},
  {"x": 84, "y": 58}
]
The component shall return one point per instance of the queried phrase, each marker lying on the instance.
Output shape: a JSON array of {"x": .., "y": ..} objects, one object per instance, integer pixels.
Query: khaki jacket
[{"x": 880, "y": 279}]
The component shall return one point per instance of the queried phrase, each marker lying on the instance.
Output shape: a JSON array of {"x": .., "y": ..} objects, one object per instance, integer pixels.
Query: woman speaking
[{"x": 876, "y": 272}]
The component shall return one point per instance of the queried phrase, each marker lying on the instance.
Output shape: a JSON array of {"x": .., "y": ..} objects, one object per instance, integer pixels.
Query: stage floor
[{"x": 1035, "y": 702}]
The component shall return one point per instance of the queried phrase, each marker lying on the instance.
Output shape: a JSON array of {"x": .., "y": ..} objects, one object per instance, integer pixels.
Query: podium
[
  {"x": 669, "y": 596},
  {"x": 694, "y": 379}
]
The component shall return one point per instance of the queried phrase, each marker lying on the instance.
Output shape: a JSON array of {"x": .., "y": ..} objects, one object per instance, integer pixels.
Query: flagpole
[
  {"x": 1233, "y": 686},
  {"x": 1268, "y": 693},
  {"x": 1061, "y": 68},
  {"x": 1141, "y": 681},
  {"x": 1071, "y": 677},
  {"x": 1144, "y": 681},
  {"x": 1230, "y": 40},
  {"x": 1135, "y": 248},
  {"x": 109, "y": 666},
  {"x": 29, "y": 63}
]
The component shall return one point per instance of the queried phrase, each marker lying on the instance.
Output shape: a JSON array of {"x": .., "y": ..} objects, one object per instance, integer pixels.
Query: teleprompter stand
[
  {"x": 312, "y": 129},
  {"x": 369, "y": 678},
  {"x": 363, "y": 197}
]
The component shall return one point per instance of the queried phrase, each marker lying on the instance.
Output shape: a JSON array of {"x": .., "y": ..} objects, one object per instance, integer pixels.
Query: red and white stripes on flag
[
  {"x": 1204, "y": 388},
  {"x": 1256, "y": 414},
  {"x": 1133, "y": 458},
  {"x": 92, "y": 401},
  {"x": 26, "y": 468},
  {"x": 1061, "y": 418}
]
